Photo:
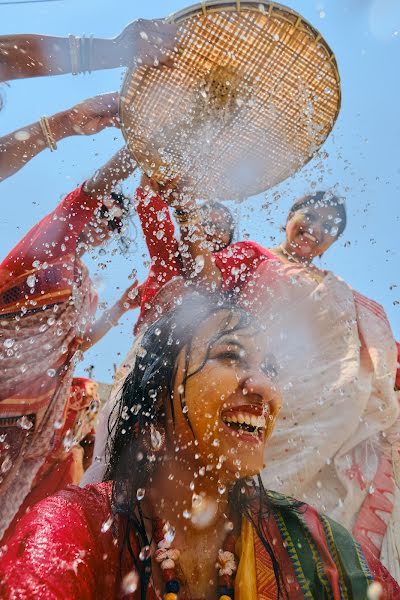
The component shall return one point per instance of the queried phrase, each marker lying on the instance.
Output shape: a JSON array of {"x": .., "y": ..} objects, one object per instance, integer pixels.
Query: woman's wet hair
[
  {"x": 145, "y": 392},
  {"x": 324, "y": 199}
]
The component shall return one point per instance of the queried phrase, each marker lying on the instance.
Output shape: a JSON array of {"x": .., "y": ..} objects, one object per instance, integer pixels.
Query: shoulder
[
  {"x": 62, "y": 515},
  {"x": 57, "y": 546}
]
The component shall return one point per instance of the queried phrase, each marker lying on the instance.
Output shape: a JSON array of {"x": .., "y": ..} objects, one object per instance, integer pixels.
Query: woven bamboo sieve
[{"x": 253, "y": 94}]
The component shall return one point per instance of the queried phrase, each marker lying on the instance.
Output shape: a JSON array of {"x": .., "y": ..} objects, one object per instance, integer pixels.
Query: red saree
[
  {"x": 65, "y": 549},
  {"x": 46, "y": 304}
]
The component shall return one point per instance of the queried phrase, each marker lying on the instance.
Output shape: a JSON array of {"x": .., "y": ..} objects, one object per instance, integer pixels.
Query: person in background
[
  {"x": 71, "y": 447},
  {"x": 47, "y": 309}
]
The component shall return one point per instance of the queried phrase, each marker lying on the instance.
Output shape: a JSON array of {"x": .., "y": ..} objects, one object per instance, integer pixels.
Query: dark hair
[
  {"x": 115, "y": 223},
  {"x": 228, "y": 220},
  {"x": 142, "y": 404},
  {"x": 322, "y": 199}
]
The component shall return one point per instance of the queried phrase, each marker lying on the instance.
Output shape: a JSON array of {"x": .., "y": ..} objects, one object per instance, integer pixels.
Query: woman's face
[
  {"x": 215, "y": 228},
  {"x": 311, "y": 230},
  {"x": 230, "y": 400}
]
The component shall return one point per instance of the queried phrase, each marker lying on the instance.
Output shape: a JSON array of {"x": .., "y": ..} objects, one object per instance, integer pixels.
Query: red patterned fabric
[{"x": 398, "y": 367}]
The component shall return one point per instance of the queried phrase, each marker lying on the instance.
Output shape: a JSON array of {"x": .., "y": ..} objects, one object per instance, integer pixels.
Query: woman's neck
[
  {"x": 186, "y": 490},
  {"x": 198, "y": 514}
]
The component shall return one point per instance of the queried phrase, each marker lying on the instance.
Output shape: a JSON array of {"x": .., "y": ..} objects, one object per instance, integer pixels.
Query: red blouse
[
  {"x": 236, "y": 262},
  {"x": 54, "y": 236}
]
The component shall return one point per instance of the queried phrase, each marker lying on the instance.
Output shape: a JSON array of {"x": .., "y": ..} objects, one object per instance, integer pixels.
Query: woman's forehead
[
  {"x": 320, "y": 210},
  {"x": 226, "y": 326}
]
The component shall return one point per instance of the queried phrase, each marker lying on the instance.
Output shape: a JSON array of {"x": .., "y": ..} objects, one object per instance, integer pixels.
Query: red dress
[
  {"x": 66, "y": 548},
  {"x": 236, "y": 262}
]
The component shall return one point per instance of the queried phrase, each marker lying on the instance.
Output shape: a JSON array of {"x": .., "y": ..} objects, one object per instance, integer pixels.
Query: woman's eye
[{"x": 231, "y": 355}]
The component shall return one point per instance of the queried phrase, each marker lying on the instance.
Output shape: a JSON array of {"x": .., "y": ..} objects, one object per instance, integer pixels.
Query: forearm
[
  {"x": 104, "y": 181},
  {"x": 102, "y": 326},
  {"x": 28, "y": 55},
  {"x": 20, "y": 146}
]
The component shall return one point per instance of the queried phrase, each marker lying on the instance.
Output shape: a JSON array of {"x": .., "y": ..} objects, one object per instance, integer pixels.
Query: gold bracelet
[
  {"x": 48, "y": 136},
  {"x": 75, "y": 53}
]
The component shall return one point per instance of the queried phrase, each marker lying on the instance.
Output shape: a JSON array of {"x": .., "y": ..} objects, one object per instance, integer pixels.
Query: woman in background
[{"x": 47, "y": 308}]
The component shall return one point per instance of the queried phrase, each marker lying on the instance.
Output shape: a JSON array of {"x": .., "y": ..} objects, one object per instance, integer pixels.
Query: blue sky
[{"x": 363, "y": 156}]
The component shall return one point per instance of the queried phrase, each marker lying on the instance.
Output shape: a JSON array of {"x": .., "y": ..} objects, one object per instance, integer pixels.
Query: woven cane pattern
[{"x": 253, "y": 94}]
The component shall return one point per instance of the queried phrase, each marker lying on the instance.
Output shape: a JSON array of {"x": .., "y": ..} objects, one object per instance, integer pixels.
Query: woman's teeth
[
  {"x": 253, "y": 421},
  {"x": 310, "y": 237}
]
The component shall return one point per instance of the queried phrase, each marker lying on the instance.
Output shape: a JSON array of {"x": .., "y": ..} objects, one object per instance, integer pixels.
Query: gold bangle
[
  {"x": 75, "y": 53},
  {"x": 48, "y": 136}
]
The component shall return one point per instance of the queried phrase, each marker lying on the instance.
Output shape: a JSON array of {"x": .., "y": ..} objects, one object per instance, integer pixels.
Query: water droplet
[
  {"x": 68, "y": 440},
  {"x": 374, "y": 591},
  {"x": 24, "y": 423},
  {"x": 130, "y": 583},
  {"x": 51, "y": 372},
  {"x": 107, "y": 524},
  {"x": 8, "y": 343},
  {"x": 140, "y": 494},
  {"x": 31, "y": 280},
  {"x": 169, "y": 532},
  {"x": 186, "y": 514},
  {"x": 157, "y": 439},
  {"x": 221, "y": 488},
  {"x": 144, "y": 553},
  {"x": 196, "y": 500},
  {"x": 6, "y": 464}
]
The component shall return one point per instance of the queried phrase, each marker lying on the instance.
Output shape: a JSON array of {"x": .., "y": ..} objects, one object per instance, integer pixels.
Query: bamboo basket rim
[{"x": 265, "y": 7}]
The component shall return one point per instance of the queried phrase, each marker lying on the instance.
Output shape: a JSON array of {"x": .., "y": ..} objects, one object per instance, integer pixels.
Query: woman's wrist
[{"x": 114, "y": 313}]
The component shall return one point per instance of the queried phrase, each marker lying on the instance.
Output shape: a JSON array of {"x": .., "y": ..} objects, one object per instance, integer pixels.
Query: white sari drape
[{"x": 338, "y": 429}]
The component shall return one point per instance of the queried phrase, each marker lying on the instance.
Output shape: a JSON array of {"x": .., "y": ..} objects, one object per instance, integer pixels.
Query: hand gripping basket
[{"x": 252, "y": 95}]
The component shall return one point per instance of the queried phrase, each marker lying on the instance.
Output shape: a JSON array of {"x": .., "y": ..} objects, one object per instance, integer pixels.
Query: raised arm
[
  {"x": 86, "y": 118},
  {"x": 196, "y": 257},
  {"x": 30, "y": 55}
]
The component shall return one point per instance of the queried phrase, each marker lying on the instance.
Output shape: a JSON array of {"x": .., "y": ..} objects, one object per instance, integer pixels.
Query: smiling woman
[{"x": 179, "y": 500}]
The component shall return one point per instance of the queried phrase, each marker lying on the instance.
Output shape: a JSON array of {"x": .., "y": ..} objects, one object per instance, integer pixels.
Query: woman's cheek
[{"x": 207, "y": 392}]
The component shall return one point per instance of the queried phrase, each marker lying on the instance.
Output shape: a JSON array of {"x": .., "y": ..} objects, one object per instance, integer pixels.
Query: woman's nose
[{"x": 262, "y": 389}]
